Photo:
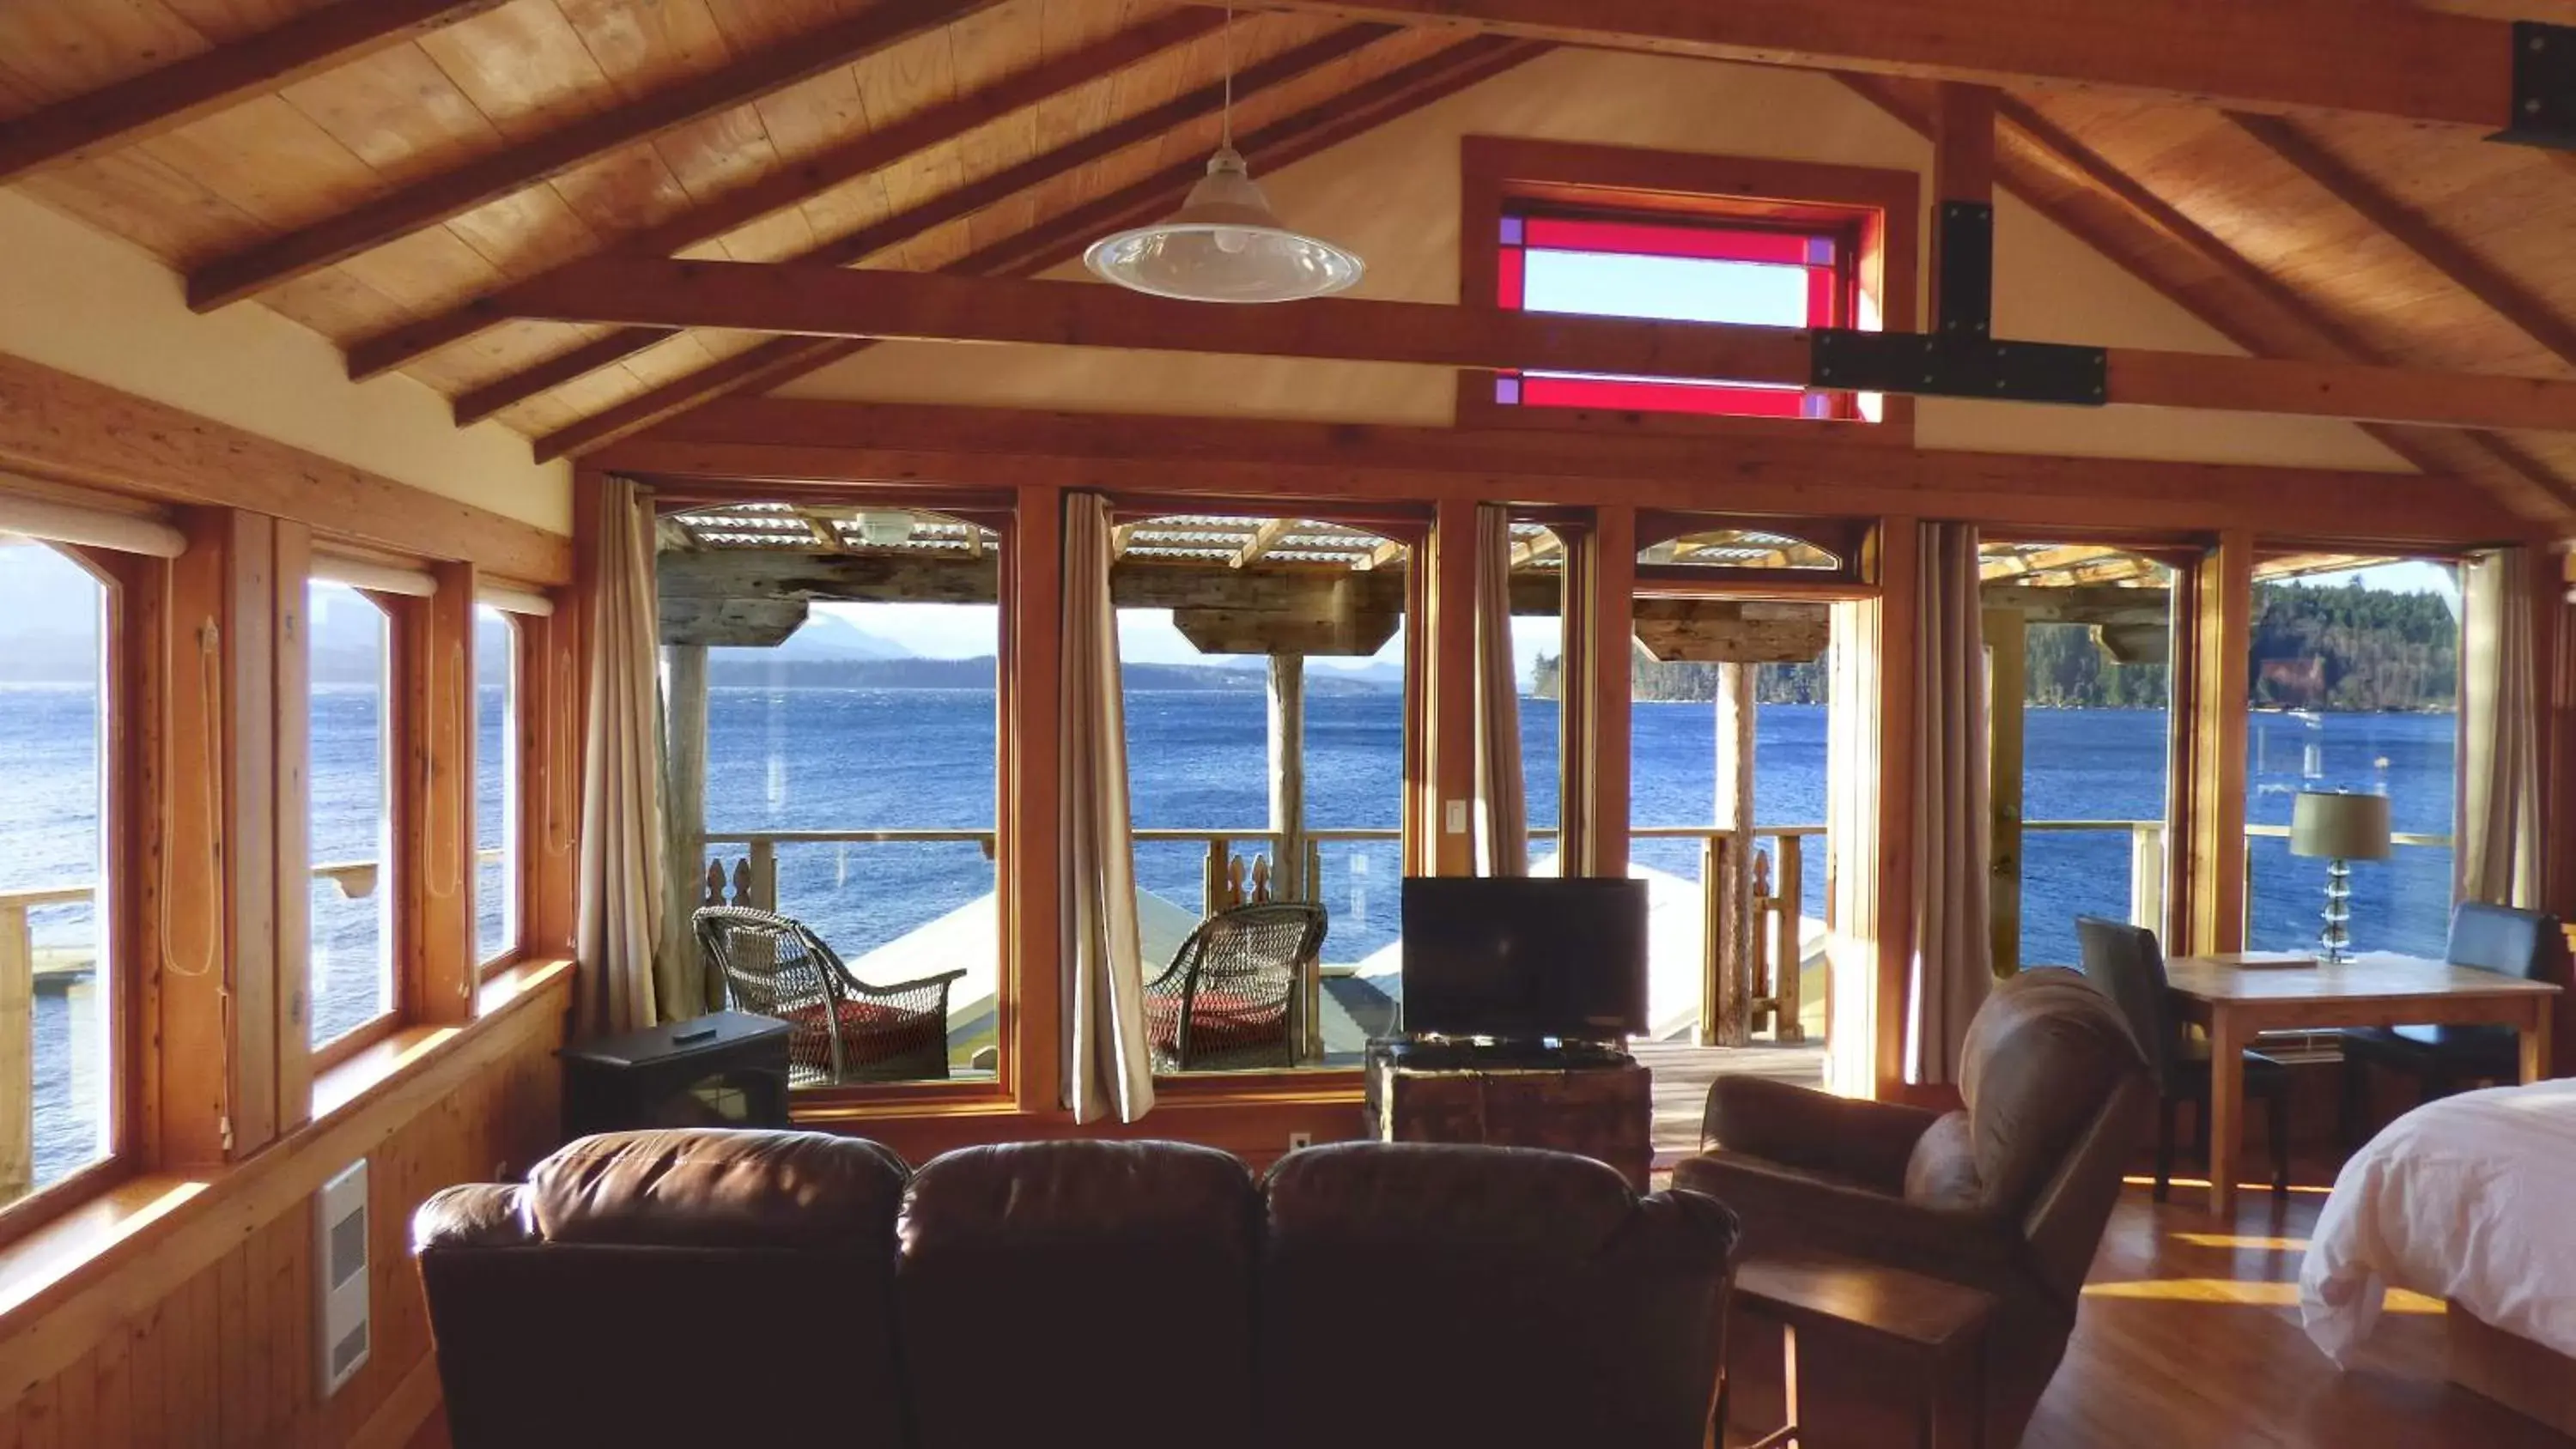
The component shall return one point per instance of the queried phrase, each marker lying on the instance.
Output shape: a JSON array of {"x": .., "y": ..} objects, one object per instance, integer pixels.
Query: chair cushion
[
  {"x": 1219, "y": 1020},
  {"x": 871, "y": 1031},
  {"x": 2041, "y": 1057}
]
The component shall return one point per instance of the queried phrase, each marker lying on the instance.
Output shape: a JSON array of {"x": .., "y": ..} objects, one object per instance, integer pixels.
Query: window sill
[{"x": 137, "y": 1218}]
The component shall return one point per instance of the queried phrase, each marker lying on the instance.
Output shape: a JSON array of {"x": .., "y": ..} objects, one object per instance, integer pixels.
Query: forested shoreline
[{"x": 2345, "y": 648}]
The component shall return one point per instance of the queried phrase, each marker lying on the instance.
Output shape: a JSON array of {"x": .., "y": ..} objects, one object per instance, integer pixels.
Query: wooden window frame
[
  {"x": 1881, "y": 206},
  {"x": 527, "y": 664},
  {"x": 1001, "y": 512},
  {"x": 1406, "y": 524},
  {"x": 123, "y": 581}
]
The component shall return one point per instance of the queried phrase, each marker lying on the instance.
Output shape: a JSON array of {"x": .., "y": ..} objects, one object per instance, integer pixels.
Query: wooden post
[
  {"x": 684, "y": 818},
  {"x": 2007, "y": 674},
  {"x": 18, "y": 1052},
  {"x": 1963, "y": 173},
  {"x": 1741, "y": 924},
  {"x": 2147, "y": 875},
  {"x": 2222, "y": 588},
  {"x": 1288, "y": 778},
  {"x": 292, "y": 815},
  {"x": 434, "y": 797},
  {"x": 1715, "y": 868},
  {"x": 763, "y": 865},
  {"x": 1787, "y": 944},
  {"x": 1611, "y": 576},
  {"x": 1028, "y": 1024}
]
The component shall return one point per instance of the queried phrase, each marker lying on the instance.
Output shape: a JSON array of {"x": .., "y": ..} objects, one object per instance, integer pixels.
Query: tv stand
[
  {"x": 1489, "y": 1054},
  {"x": 1588, "y": 1098}
]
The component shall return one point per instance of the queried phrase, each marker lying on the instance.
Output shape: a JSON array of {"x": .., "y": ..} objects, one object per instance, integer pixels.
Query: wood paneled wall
[{"x": 213, "y": 1346}]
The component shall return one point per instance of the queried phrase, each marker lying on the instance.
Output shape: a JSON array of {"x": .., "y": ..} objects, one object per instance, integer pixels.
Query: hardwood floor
[{"x": 2189, "y": 1334}]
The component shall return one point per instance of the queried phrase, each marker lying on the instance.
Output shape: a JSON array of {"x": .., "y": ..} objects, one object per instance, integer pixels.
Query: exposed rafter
[
  {"x": 2034, "y": 149},
  {"x": 172, "y": 95},
  {"x": 435, "y": 199},
  {"x": 2382, "y": 59},
  {"x": 1264, "y": 538},
  {"x": 858, "y": 246},
  {"x": 1281, "y": 143},
  {"x": 2509, "y": 299},
  {"x": 806, "y": 178}
]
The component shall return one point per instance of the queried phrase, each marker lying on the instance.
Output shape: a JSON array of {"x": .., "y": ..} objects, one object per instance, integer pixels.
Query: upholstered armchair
[{"x": 2009, "y": 1195}]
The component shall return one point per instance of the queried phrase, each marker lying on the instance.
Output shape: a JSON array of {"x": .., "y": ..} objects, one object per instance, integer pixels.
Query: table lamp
[{"x": 2341, "y": 829}]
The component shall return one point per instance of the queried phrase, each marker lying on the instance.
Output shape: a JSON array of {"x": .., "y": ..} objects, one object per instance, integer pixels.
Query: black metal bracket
[
  {"x": 2544, "y": 87},
  {"x": 1964, "y": 293},
  {"x": 1936, "y": 366}
]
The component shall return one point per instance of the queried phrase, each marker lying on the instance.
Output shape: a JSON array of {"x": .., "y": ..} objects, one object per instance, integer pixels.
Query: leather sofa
[
  {"x": 703, "y": 1288},
  {"x": 2009, "y": 1195}
]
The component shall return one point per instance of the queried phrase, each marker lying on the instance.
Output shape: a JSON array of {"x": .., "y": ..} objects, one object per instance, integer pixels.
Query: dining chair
[
  {"x": 2443, "y": 1059},
  {"x": 2129, "y": 966}
]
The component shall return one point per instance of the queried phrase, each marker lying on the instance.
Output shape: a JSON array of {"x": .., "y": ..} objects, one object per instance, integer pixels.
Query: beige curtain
[
  {"x": 1852, "y": 727},
  {"x": 1953, "y": 947},
  {"x": 1502, "y": 808},
  {"x": 1108, "y": 1068},
  {"x": 2496, "y": 854},
  {"x": 621, "y": 905}
]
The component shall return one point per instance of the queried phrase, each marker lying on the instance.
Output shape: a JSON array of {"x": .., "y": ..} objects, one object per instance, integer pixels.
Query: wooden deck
[{"x": 1682, "y": 1074}]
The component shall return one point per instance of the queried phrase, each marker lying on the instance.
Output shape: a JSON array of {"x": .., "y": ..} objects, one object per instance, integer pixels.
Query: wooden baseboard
[
  {"x": 2534, "y": 1381},
  {"x": 400, "y": 1416}
]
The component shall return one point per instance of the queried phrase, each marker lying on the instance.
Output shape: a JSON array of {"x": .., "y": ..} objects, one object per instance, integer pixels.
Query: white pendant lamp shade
[{"x": 1224, "y": 245}]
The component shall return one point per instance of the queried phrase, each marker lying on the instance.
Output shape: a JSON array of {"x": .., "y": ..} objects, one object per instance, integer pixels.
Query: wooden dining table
[{"x": 2236, "y": 996}]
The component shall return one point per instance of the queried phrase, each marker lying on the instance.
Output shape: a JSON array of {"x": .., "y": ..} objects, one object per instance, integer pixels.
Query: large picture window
[
  {"x": 352, "y": 812},
  {"x": 56, "y": 996}
]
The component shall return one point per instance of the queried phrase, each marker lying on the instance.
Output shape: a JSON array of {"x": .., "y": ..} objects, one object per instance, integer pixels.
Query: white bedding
[{"x": 2471, "y": 1198}]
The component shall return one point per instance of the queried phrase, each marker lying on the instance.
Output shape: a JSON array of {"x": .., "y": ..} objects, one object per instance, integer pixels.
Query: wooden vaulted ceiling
[{"x": 379, "y": 169}]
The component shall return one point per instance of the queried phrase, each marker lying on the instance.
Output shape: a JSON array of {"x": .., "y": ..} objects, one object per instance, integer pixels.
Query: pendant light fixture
[{"x": 1224, "y": 244}]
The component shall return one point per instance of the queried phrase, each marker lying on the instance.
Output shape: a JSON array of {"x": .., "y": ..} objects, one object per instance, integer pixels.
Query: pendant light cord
[{"x": 1225, "y": 122}]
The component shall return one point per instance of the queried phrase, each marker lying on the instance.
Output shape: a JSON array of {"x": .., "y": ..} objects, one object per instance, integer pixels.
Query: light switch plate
[{"x": 1456, "y": 820}]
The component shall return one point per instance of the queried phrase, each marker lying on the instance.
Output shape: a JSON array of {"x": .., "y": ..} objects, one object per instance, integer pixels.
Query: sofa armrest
[
  {"x": 1867, "y": 1142},
  {"x": 473, "y": 1215},
  {"x": 1784, "y": 1210}
]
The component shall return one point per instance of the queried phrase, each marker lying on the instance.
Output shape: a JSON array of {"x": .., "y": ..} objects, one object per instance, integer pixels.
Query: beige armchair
[{"x": 2010, "y": 1195}]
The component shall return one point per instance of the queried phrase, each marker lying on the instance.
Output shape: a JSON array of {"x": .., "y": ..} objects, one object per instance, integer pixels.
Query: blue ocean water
[{"x": 911, "y": 759}]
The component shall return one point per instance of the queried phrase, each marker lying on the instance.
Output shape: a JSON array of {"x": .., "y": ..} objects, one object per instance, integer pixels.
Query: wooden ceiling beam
[
  {"x": 1265, "y": 537},
  {"x": 2035, "y": 148},
  {"x": 792, "y": 299},
  {"x": 1362, "y": 109},
  {"x": 2502, "y": 294},
  {"x": 781, "y": 445},
  {"x": 867, "y": 241},
  {"x": 2280, "y": 55},
  {"x": 795, "y": 183},
  {"x": 167, "y": 97},
  {"x": 452, "y": 193}
]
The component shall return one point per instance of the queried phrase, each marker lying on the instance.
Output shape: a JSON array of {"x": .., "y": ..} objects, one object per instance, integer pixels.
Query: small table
[
  {"x": 2237, "y": 996},
  {"x": 1937, "y": 1328}
]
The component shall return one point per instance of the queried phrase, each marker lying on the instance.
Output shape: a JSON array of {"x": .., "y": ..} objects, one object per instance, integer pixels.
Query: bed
[{"x": 2465, "y": 1199}]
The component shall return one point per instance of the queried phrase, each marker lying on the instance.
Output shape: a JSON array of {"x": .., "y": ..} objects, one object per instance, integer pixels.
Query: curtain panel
[
  {"x": 1108, "y": 1065},
  {"x": 2496, "y": 849},
  {"x": 1953, "y": 908},
  {"x": 1503, "y": 808},
  {"x": 619, "y": 924}
]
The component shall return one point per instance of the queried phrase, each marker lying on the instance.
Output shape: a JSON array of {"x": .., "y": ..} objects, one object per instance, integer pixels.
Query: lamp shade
[
  {"x": 2338, "y": 826},
  {"x": 1223, "y": 245}
]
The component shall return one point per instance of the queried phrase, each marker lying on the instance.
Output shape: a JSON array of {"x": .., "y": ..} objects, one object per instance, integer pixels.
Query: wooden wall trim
[
  {"x": 2222, "y": 617},
  {"x": 52, "y": 1311},
  {"x": 70, "y": 429}
]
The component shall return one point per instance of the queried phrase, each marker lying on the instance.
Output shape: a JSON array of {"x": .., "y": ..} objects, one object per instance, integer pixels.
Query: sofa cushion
[
  {"x": 1045, "y": 1286},
  {"x": 1512, "y": 1297},
  {"x": 555, "y": 1305}
]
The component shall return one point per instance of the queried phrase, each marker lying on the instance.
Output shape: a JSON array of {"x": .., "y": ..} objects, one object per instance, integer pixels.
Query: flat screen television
[{"x": 1524, "y": 958}]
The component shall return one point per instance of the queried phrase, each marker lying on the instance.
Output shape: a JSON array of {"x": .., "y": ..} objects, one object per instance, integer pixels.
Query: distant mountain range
[{"x": 767, "y": 669}]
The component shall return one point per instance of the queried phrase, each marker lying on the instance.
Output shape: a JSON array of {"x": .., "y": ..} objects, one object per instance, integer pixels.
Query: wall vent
[{"x": 340, "y": 1276}]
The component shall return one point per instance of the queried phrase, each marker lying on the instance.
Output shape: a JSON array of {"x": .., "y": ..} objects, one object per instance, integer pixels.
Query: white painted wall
[
  {"x": 1393, "y": 194},
  {"x": 96, "y": 306}
]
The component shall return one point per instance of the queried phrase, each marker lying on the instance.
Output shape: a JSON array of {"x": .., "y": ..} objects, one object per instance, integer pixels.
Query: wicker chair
[
  {"x": 1223, "y": 1003},
  {"x": 845, "y": 1029}
]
